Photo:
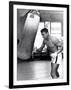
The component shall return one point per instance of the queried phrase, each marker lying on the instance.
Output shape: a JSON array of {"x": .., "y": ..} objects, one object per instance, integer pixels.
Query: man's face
[{"x": 45, "y": 35}]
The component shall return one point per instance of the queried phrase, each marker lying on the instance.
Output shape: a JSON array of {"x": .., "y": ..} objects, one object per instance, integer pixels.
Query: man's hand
[{"x": 38, "y": 51}]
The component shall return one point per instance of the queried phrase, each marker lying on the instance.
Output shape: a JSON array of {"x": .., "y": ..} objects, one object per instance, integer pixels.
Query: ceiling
[{"x": 45, "y": 15}]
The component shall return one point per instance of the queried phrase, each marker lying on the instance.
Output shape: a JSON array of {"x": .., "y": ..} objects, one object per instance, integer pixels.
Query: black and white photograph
[{"x": 38, "y": 37}]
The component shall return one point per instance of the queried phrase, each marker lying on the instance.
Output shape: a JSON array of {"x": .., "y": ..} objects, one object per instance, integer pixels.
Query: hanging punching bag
[{"x": 29, "y": 31}]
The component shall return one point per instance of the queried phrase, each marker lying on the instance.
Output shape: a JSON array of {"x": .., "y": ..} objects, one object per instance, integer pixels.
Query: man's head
[{"x": 44, "y": 33}]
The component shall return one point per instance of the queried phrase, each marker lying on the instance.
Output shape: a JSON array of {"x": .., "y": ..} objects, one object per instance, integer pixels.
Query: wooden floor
[{"x": 33, "y": 70}]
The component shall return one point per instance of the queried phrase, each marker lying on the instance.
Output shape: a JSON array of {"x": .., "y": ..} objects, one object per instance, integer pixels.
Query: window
[{"x": 56, "y": 29}]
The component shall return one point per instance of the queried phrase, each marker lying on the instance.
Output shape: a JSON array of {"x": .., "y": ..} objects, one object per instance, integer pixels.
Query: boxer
[{"x": 55, "y": 47}]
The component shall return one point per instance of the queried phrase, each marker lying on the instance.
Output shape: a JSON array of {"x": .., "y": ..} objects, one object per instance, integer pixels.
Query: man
[{"x": 54, "y": 46}]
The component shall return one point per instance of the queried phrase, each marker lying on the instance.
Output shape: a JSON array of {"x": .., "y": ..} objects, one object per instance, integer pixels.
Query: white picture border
[{"x": 28, "y": 82}]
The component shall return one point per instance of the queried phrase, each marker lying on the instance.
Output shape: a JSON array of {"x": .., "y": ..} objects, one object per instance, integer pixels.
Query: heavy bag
[{"x": 24, "y": 52}]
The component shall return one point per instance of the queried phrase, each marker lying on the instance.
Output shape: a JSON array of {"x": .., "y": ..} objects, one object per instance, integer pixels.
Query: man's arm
[
  {"x": 59, "y": 44},
  {"x": 41, "y": 48}
]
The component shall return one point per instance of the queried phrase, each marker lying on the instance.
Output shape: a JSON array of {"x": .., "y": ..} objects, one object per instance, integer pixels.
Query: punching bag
[{"x": 29, "y": 31}]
